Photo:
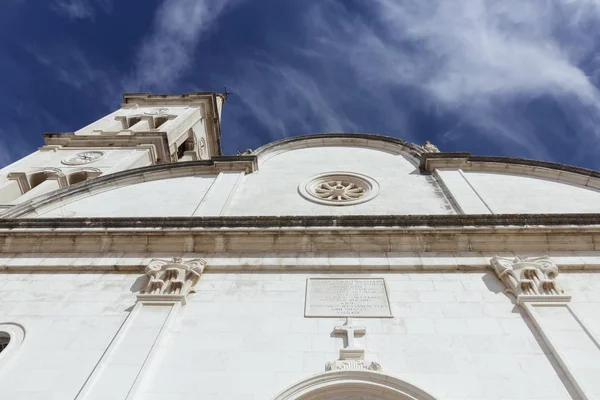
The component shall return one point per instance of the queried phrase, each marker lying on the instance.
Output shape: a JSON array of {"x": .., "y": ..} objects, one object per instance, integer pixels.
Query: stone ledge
[
  {"x": 195, "y": 240},
  {"x": 430, "y": 161},
  {"x": 357, "y": 263},
  {"x": 523, "y": 221}
]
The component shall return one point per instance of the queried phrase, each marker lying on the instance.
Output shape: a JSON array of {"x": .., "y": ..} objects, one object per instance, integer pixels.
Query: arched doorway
[{"x": 353, "y": 385}]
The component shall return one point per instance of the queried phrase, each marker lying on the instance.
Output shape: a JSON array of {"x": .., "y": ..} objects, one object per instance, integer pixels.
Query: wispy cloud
[
  {"x": 501, "y": 72},
  {"x": 81, "y": 9},
  {"x": 76, "y": 70},
  {"x": 168, "y": 50},
  {"x": 286, "y": 100},
  {"x": 472, "y": 56},
  {"x": 480, "y": 67}
]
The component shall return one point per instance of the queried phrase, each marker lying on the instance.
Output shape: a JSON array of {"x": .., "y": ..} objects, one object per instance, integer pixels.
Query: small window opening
[
  {"x": 132, "y": 121},
  {"x": 188, "y": 145},
  {"x": 36, "y": 179},
  {"x": 158, "y": 121},
  {"x": 180, "y": 150},
  {"x": 77, "y": 177},
  {"x": 4, "y": 340}
]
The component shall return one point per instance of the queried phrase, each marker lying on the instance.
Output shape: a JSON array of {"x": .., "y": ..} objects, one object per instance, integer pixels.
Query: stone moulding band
[
  {"x": 529, "y": 221},
  {"x": 472, "y": 242}
]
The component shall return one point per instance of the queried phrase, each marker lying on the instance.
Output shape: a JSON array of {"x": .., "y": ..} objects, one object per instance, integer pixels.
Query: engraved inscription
[{"x": 326, "y": 297}]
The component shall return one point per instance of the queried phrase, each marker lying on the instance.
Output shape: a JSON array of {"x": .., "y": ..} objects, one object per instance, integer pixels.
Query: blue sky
[{"x": 512, "y": 77}]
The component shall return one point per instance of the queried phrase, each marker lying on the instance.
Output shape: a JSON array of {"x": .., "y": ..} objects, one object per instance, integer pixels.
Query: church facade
[{"x": 139, "y": 262}]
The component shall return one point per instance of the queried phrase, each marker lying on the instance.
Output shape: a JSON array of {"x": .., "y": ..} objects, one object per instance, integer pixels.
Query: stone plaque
[{"x": 347, "y": 298}]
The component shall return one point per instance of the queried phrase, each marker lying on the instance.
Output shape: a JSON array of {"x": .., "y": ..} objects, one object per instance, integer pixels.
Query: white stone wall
[
  {"x": 454, "y": 335},
  {"x": 273, "y": 190},
  {"x": 244, "y": 335},
  {"x": 508, "y": 194},
  {"x": 69, "y": 321},
  {"x": 165, "y": 197}
]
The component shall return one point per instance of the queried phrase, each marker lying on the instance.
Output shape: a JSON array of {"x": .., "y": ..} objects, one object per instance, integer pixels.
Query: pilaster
[
  {"x": 533, "y": 282},
  {"x": 121, "y": 369}
]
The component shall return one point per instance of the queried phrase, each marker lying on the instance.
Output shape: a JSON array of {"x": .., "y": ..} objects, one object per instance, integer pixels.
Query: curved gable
[
  {"x": 362, "y": 140},
  {"x": 504, "y": 185},
  {"x": 286, "y": 167}
]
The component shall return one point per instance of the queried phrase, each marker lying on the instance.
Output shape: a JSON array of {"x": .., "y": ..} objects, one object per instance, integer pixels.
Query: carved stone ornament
[
  {"x": 429, "y": 147},
  {"x": 83, "y": 157},
  {"x": 156, "y": 111},
  {"x": 532, "y": 277},
  {"x": 351, "y": 357},
  {"x": 172, "y": 280},
  {"x": 339, "y": 188},
  {"x": 363, "y": 365}
]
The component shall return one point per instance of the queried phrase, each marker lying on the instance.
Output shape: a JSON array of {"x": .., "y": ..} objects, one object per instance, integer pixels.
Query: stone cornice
[
  {"x": 461, "y": 233},
  {"x": 369, "y": 140},
  {"x": 523, "y": 222}
]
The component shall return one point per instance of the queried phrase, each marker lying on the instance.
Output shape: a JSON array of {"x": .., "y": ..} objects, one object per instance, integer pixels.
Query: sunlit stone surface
[{"x": 138, "y": 262}]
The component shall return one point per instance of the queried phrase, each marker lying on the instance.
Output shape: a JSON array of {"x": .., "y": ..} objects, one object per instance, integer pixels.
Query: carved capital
[
  {"x": 361, "y": 365},
  {"x": 171, "y": 280},
  {"x": 532, "y": 278}
]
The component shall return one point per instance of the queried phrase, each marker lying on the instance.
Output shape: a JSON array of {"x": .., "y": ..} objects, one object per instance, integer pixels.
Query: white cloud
[
  {"x": 168, "y": 51},
  {"x": 81, "y": 9},
  {"x": 473, "y": 56}
]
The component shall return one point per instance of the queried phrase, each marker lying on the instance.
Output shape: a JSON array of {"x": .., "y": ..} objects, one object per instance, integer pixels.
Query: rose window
[{"x": 340, "y": 188}]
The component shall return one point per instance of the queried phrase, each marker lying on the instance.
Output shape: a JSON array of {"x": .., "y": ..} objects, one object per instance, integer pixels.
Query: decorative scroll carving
[
  {"x": 352, "y": 365},
  {"x": 531, "y": 276},
  {"x": 172, "y": 280}
]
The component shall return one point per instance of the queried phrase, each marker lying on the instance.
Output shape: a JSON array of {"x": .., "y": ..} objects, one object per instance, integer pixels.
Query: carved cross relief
[
  {"x": 350, "y": 331},
  {"x": 351, "y": 357}
]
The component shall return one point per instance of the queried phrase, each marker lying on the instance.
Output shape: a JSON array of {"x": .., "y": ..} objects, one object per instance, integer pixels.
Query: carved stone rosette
[
  {"x": 363, "y": 365},
  {"x": 171, "y": 280},
  {"x": 530, "y": 277}
]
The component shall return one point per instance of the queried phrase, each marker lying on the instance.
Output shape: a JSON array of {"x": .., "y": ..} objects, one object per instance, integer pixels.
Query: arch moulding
[
  {"x": 16, "y": 334},
  {"x": 410, "y": 152},
  {"x": 353, "y": 385}
]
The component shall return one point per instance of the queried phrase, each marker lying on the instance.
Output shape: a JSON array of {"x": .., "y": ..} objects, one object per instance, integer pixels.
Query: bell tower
[{"x": 146, "y": 130}]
